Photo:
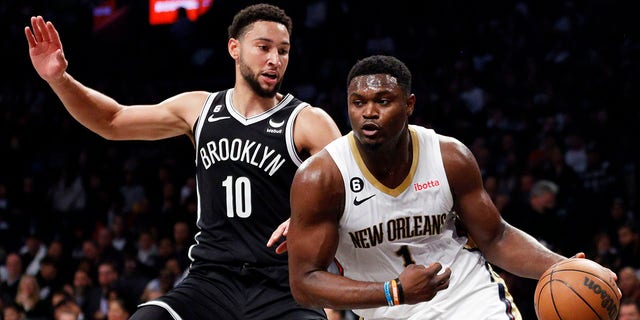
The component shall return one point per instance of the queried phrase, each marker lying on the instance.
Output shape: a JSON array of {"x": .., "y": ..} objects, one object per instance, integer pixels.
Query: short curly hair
[
  {"x": 258, "y": 12},
  {"x": 381, "y": 64}
]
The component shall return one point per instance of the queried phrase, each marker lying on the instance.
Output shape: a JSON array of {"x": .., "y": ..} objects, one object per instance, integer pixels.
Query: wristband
[
  {"x": 387, "y": 294},
  {"x": 394, "y": 292},
  {"x": 400, "y": 291}
]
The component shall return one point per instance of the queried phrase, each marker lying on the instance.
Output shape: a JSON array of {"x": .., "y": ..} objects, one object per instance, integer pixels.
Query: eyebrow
[{"x": 287, "y": 43}]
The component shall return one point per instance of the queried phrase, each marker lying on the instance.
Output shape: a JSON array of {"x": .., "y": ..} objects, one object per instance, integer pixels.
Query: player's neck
[
  {"x": 247, "y": 103},
  {"x": 390, "y": 166}
]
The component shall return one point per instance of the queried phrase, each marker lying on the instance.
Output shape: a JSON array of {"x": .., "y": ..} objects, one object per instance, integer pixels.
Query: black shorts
[{"x": 224, "y": 294}]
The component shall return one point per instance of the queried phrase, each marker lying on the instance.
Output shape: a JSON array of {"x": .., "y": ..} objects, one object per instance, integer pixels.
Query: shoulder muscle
[
  {"x": 460, "y": 165},
  {"x": 314, "y": 129}
]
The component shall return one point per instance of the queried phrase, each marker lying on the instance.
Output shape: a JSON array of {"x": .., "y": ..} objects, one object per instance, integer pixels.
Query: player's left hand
[
  {"x": 281, "y": 231},
  {"x": 614, "y": 276},
  {"x": 45, "y": 50}
]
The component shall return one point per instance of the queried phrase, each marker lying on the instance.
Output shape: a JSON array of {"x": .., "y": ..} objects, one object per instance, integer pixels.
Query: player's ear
[
  {"x": 233, "y": 46},
  {"x": 411, "y": 103}
]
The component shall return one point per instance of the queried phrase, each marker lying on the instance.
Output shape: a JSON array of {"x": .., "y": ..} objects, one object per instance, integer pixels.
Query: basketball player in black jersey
[{"x": 249, "y": 141}]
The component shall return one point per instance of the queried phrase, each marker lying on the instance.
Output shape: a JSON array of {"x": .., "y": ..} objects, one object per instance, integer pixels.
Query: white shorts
[{"x": 475, "y": 292}]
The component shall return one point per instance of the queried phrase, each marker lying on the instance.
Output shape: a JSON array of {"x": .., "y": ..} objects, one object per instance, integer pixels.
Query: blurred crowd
[{"x": 544, "y": 93}]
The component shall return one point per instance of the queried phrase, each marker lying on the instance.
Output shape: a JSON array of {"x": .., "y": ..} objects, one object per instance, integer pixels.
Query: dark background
[{"x": 517, "y": 82}]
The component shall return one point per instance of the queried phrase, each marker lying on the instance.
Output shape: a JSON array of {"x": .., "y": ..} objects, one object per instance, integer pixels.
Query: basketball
[{"x": 576, "y": 289}]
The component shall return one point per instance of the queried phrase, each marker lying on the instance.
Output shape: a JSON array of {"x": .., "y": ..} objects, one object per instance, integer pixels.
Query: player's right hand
[
  {"x": 278, "y": 233},
  {"x": 421, "y": 283},
  {"x": 45, "y": 50}
]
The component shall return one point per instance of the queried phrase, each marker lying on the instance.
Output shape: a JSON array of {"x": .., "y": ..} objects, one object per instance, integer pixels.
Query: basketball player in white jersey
[
  {"x": 249, "y": 141},
  {"x": 404, "y": 212}
]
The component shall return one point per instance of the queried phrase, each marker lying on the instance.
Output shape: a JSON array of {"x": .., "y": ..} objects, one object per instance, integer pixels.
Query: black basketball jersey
[{"x": 244, "y": 169}]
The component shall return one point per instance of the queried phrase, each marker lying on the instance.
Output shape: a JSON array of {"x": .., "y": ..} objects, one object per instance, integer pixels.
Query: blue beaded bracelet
[{"x": 387, "y": 294}]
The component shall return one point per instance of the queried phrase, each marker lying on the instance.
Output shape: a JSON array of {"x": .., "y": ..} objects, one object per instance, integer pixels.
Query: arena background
[{"x": 539, "y": 90}]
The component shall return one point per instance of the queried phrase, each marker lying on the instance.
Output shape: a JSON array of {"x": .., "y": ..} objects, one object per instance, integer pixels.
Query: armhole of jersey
[
  {"x": 291, "y": 145},
  {"x": 338, "y": 151},
  {"x": 199, "y": 123},
  {"x": 436, "y": 151}
]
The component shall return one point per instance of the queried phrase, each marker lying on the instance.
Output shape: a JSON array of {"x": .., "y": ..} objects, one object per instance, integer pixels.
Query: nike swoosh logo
[
  {"x": 214, "y": 119},
  {"x": 359, "y": 202},
  {"x": 276, "y": 124}
]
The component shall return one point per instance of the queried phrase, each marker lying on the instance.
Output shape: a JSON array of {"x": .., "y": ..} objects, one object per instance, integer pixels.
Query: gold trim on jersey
[
  {"x": 495, "y": 277},
  {"x": 394, "y": 192}
]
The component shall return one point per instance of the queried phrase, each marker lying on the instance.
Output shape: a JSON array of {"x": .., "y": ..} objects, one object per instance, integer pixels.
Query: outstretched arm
[
  {"x": 317, "y": 200},
  {"x": 501, "y": 243},
  {"x": 98, "y": 112}
]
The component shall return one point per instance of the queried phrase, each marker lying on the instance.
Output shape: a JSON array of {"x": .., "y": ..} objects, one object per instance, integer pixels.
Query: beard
[{"x": 252, "y": 80}]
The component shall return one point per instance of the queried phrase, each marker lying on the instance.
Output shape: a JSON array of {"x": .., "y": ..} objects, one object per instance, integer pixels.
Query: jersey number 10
[{"x": 238, "y": 194}]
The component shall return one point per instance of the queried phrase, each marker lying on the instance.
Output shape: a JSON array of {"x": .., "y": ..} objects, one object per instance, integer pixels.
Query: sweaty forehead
[
  {"x": 267, "y": 30},
  {"x": 373, "y": 82}
]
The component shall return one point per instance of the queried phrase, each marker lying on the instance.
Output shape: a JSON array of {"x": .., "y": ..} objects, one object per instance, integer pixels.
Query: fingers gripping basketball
[{"x": 576, "y": 289}]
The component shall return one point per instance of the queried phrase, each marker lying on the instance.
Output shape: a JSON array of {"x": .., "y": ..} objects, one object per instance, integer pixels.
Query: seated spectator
[
  {"x": 89, "y": 258},
  {"x": 13, "y": 311},
  {"x": 166, "y": 251},
  {"x": 537, "y": 215},
  {"x": 121, "y": 239},
  {"x": 31, "y": 253},
  {"x": 182, "y": 240},
  {"x": 629, "y": 240},
  {"x": 158, "y": 286},
  {"x": 147, "y": 254},
  {"x": 28, "y": 297},
  {"x": 108, "y": 276},
  {"x": 629, "y": 310},
  {"x": 10, "y": 276},
  {"x": 86, "y": 295},
  {"x": 58, "y": 254},
  {"x": 604, "y": 252},
  {"x": 48, "y": 278},
  {"x": 629, "y": 283},
  {"x": 119, "y": 309},
  {"x": 65, "y": 307},
  {"x": 104, "y": 241},
  {"x": 132, "y": 278}
]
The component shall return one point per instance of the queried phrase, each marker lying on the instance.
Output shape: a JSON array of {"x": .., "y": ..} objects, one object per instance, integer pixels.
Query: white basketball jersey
[{"x": 382, "y": 230}]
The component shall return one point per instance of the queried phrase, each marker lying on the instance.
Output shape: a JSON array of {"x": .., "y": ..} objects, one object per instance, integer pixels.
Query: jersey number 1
[
  {"x": 406, "y": 255},
  {"x": 238, "y": 194}
]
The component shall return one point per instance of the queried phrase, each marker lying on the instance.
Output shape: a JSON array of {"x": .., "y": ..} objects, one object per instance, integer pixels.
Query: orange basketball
[{"x": 577, "y": 289}]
